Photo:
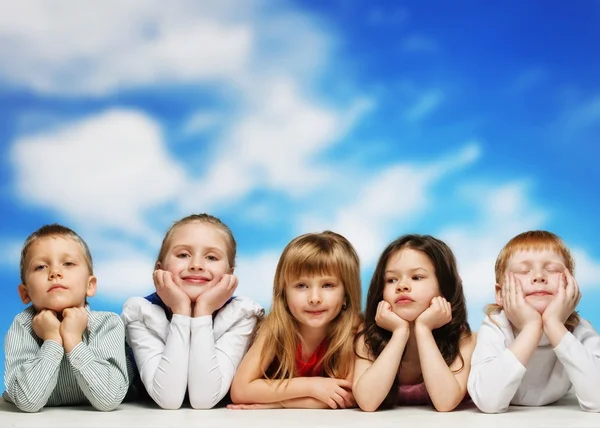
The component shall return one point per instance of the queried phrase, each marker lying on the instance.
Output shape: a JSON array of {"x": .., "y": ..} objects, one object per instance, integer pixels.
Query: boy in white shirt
[{"x": 532, "y": 346}]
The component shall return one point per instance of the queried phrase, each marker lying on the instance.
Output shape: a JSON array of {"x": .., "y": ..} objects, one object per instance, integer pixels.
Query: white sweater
[
  {"x": 188, "y": 354},
  {"x": 498, "y": 378}
]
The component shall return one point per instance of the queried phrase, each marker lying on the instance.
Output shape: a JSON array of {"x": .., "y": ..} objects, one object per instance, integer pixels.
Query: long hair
[
  {"x": 447, "y": 337},
  {"x": 326, "y": 253},
  {"x": 536, "y": 240}
]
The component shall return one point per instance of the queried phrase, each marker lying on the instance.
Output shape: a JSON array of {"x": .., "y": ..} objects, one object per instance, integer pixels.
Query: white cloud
[
  {"x": 275, "y": 145},
  {"x": 65, "y": 47},
  {"x": 395, "y": 195},
  {"x": 425, "y": 105},
  {"x": 256, "y": 274},
  {"x": 124, "y": 275},
  {"x": 587, "y": 270},
  {"x": 104, "y": 170}
]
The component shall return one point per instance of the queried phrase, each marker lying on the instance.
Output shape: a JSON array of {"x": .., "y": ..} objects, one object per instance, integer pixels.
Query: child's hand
[
  {"x": 517, "y": 310},
  {"x": 336, "y": 393},
  {"x": 171, "y": 295},
  {"x": 389, "y": 320},
  {"x": 438, "y": 314},
  {"x": 74, "y": 323},
  {"x": 47, "y": 326},
  {"x": 254, "y": 406},
  {"x": 565, "y": 301},
  {"x": 216, "y": 296}
]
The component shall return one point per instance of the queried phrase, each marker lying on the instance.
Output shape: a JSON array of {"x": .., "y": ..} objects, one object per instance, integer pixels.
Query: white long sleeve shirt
[
  {"x": 195, "y": 355},
  {"x": 498, "y": 379}
]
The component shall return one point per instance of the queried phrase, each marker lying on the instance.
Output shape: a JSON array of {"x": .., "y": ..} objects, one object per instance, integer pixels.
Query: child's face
[
  {"x": 196, "y": 257},
  {"x": 315, "y": 301},
  {"x": 410, "y": 283},
  {"x": 56, "y": 275},
  {"x": 539, "y": 273}
]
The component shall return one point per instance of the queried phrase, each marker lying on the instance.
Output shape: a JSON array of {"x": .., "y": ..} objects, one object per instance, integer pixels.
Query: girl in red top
[{"x": 303, "y": 355}]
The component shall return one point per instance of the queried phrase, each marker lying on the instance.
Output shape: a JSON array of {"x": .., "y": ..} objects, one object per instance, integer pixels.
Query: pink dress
[{"x": 411, "y": 395}]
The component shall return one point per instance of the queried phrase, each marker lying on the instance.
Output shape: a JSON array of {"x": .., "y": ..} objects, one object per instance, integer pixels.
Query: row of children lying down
[{"x": 315, "y": 349}]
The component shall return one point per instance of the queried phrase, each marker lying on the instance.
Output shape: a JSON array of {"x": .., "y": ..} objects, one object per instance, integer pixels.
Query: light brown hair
[
  {"x": 200, "y": 218},
  {"x": 54, "y": 230},
  {"x": 326, "y": 253}
]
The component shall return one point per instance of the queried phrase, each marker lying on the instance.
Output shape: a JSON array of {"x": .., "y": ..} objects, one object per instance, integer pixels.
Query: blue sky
[{"x": 459, "y": 119}]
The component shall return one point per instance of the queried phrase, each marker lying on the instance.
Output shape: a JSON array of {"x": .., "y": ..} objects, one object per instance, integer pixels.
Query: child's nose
[
  {"x": 196, "y": 263},
  {"x": 402, "y": 286},
  {"x": 539, "y": 277},
  {"x": 315, "y": 296},
  {"x": 55, "y": 273}
]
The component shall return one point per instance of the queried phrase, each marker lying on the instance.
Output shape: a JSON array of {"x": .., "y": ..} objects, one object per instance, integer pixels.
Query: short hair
[
  {"x": 54, "y": 230},
  {"x": 200, "y": 218},
  {"x": 536, "y": 240}
]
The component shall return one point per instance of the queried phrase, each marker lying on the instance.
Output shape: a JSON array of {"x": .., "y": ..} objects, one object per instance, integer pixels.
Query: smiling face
[
  {"x": 56, "y": 275},
  {"x": 196, "y": 256},
  {"x": 539, "y": 272},
  {"x": 410, "y": 283},
  {"x": 314, "y": 301}
]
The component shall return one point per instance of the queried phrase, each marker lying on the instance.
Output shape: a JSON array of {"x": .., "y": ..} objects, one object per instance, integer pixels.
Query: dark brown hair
[{"x": 447, "y": 337}]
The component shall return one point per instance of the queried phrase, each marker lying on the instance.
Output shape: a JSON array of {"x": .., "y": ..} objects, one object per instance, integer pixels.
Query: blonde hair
[
  {"x": 326, "y": 253},
  {"x": 536, "y": 240},
  {"x": 54, "y": 230},
  {"x": 200, "y": 218}
]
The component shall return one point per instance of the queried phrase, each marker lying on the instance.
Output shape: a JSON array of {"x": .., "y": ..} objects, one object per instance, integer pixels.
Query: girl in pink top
[
  {"x": 415, "y": 345},
  {"x": 303, "y": 355}
]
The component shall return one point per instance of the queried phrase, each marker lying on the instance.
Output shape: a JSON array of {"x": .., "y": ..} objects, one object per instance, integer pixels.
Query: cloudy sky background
[{"x": 463, "y": 120}]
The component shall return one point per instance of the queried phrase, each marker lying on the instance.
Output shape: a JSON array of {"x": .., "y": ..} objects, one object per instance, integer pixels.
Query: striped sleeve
[
  {"x": 100, "y": 366},
  {"x": 31, "y": 370}
]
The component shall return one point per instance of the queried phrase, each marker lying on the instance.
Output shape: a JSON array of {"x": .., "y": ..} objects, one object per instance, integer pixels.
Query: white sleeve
[
  {"x": 496, "y": 373},
  {"x": 580, "y": 356},
  {"x": 162, "y": 357},
  {"x": 214, "y": 362}
]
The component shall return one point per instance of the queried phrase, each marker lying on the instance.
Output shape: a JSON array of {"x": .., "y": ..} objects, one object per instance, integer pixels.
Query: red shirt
[{"x": 313, "y": 366}]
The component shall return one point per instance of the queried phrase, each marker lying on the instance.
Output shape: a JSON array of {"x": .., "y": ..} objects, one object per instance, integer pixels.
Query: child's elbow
[
  {"x": 107, "y": 407},
  {"x": 367, "y": 405},
  {"x": 29, "y": 406},
  {"x": 202, "y": 403},
  {"x": 237, "y": 395}
]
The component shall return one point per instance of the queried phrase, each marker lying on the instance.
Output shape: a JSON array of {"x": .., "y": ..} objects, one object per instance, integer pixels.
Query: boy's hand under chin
[
  {"x": 47, "y": 326},
  {"x": 518, "y": 311},
  {"x": 216, "y": 296},
  {"x": 74, "y": 323}
]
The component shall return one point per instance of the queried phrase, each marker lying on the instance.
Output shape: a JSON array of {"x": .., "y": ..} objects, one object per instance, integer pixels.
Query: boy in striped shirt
[{"x": 58, "y": 351}]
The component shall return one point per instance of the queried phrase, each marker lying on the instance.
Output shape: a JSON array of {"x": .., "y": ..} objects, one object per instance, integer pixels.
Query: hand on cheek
[
  {"x": 564, "y": 303},
  {"x": 517, "y": 310},
  {"x": 438, "y": 314},
  {"x": 171, "y": 295}
]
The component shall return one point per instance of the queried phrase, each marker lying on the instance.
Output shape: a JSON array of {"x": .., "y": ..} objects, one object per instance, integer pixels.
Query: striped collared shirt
[{"x": 40, "y": 373}]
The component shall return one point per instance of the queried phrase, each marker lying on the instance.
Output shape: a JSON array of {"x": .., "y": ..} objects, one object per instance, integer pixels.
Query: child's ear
[
  {"x": 231, "y": 269},
  {"x": 24, "y": 294},
  {"x": 157, "y": 265},
  {"x": 91, "y": 288},
  {"x": 499, "y": 300}
]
